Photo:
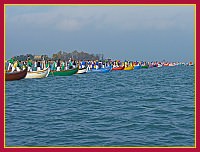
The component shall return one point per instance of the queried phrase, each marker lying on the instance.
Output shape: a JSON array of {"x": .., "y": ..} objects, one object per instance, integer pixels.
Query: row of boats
[{"x": 17, "y": 75}]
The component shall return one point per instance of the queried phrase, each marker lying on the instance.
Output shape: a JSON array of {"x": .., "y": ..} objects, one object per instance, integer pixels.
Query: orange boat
[
  {"x": 118, "y": 68},
  {"x": 16, "y": 75},
  {"x": 166, "y": 64}
]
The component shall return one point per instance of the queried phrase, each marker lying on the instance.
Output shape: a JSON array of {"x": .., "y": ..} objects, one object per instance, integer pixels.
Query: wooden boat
[
  {"x": 118, "y": 68},
  {"x": 16, "y": 75},
  {"x": 129, "y": 68},
  {"x": 102, "y": 70},
  {"x": 171, "y": 65},
  {"x": 191, "y": 64},
  {"x": 151, "y": 65},
  {"x": 64, "y": 72},
  {"x": 144, "y": 66},
  {"x": 166, "y": 64},
  {"x": 38, "y": 74},
  {"x": 136, "y": 67},
  {"x": 81, "y": 71}
]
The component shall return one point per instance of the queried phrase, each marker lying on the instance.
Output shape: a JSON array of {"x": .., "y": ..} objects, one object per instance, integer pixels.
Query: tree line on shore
[{"x": 62, "y": 56}]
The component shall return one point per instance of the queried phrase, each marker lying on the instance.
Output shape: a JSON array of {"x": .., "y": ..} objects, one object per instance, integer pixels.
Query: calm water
[{"x": 147, "y": 107}]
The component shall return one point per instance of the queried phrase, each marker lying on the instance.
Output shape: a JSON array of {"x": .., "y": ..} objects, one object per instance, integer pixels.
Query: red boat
[
  {"x": 118, "y": 68},
  {"x": 16, "y": 75}
]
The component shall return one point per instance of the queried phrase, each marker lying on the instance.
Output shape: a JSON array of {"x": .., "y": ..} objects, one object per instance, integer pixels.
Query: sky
[{"x": 137, "y": 33}]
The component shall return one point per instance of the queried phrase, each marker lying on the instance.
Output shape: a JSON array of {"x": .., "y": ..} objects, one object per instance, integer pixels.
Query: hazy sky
[{"x": 147, "y": 33}]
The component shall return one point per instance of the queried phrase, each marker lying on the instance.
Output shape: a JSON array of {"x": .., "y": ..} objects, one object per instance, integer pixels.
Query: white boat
[
  {"x": 159, "y": 65},
  {"x": 191, "y": 64},
  {"x": 81, "y": 71},
  {"x": 38, "y": 74},
  {"x": 171, "y": 64}
]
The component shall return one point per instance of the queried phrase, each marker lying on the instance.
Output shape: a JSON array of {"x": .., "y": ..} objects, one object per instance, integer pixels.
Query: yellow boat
[{"x": 129, "y": 68}]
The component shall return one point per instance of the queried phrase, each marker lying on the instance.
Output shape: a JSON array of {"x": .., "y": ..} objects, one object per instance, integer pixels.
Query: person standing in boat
[
  {"x": 97, "y": 63},
  {"x": 11, "y": 62},
  {"x": 58, "y": 65},
  {"x": 92, "y": 64},
  {"x": 47, "y": 65},
  {"x": 70, "y": 64},
  {"x": 35, "y": 66},
  {"x": 66, "y": 65},
  {"x": 63, "y": 66},
  {"x": 100, "y": 64},
  {"x": 24, "y": 65},
  {"x": 38, "y": 66},
  {"x": 29, "y": 63},
  {"x": 19, "y": 65},
  {"x": 88, "y": 65},
  {"x": 83, "y": 64},
  {"x": 80, "y": 64},
  {"x": 54, "y": 66},
  {"x": 74, "y": 64},
  {"x": 125, "y": 64},
  {"x": 14, "y": 67}
]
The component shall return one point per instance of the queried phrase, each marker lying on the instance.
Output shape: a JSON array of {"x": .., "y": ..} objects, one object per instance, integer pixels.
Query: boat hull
[
  {"x": 128, "y": 68},
  {"x": 144, "y": 66},
  {"x": 102, "y": 70},
  {"x": 82, "y": 71},
  {"x": 10, "y": 76},
  {"x": 38, "y": 74},
  {"x": 171, "y": 65},
  {"x": 64, "y": 73},
  {"x": 118, "y": 68},
  {"x": 136, "y": 67}
]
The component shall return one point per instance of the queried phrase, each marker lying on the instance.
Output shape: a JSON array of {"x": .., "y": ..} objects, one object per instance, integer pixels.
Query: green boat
[
  {"x": 64, "y": 72},
  {"x": 144, "y": 66}
]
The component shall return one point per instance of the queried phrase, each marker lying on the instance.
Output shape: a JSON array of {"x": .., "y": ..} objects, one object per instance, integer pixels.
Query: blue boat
[
  {"x": 136, "y": 67},
  {"x": 102, "y": 70}
]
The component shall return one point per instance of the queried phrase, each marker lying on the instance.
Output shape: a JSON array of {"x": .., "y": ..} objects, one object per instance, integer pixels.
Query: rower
[
  {"x": 83, "y": 63},
  {"x": 47, "y": 64},
  {"x": 70, "y": 64},
  {"x": 29, "y": 64},
  {"x": 54, "y": 65},
  {"x": 97, "y": 63},
  {"x": 58, "y": 65},
  {"x": 14, "y": 66},
  {"x": 38, "y": 66},
  {"x": 10, "y": 63},
  {"x": 19, "y": 65},
  {"x": 63, "y": 66}
]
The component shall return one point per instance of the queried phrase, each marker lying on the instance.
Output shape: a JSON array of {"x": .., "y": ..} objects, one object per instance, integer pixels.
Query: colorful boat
[
  {"x": 144, "y": 66},
  {"x": 64, "y": 72},
  {"x": 38, "y": 74},
  {"x": 16, "y": 75},
  {"x": 102, "y": 70},
  {"x": 136, "y": 67},
  {"x": 151, "y": 66},
  {"x": 166, "y": 64},
  {"x": 118, "y": 68},
  {"x": 129, "y": 68},
  {"x": 81, "y": 71},
  {"x": 191, "y": 64},
  {"x": 171, "y": 65}
]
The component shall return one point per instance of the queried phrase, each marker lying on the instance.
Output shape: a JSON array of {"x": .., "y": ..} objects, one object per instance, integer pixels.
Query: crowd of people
[
  {"x": 16, "y": 65},
  {"x": 58, "y": 65}
]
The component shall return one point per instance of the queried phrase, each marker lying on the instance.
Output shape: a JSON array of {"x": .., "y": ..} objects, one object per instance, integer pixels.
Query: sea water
[{"x": 146, "y": 107}]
